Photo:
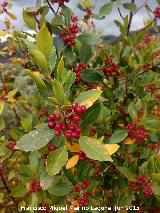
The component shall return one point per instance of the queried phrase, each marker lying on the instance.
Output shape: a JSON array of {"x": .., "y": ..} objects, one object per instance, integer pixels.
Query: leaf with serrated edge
[
  {"x": 93, "y": 149},
  {"x": 88, "y": 97},
  {"x": 34, "y": 140},
  {"x": 56, "y": 161}
]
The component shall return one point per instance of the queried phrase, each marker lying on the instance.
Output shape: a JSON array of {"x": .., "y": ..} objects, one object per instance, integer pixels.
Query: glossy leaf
[
  {"x": 34, "y": 140},
  {"x": 93, "y": 149},
  {"x": 56, "y": 161}
]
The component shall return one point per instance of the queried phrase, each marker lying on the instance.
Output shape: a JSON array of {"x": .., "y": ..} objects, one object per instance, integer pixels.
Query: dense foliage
[{"x": 79, "y": 120}]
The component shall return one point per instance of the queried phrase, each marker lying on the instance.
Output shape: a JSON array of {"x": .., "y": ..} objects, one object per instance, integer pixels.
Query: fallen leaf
[
  {"x": 129, "y": 141},
  {"x": 111, "y": 148}
]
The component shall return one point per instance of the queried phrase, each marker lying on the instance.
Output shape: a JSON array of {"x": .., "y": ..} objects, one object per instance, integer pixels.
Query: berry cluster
[
  {"x": 157, "y": 12},
  {"x": 143, "y": 185},
  {"x": 83, "y": 201},
  {"x": 77, "y": 69},
  {"x": 146, "y": 42},
  {"x": 68, "y": 124},
  {"x": 139, "y": 133},
  {"x": 4, "y": 4},
  {"x": 111, "y": 69},
  {"x": 92, "y": 132},
  {"x": 60, "y": 2},
  {"x": 153, "y": 146},
  {"x": 151, "y": 88},
  {"x": 68, "y": 34},
  {"x": 11, "y": 145},
  {"x": 35, "y": 186}
]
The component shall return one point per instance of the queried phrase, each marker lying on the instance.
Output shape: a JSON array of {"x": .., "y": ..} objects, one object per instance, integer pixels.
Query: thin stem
[
  {"x": 120, "y": 14},
  {"x": 5, "y": 184},
  {"x": 130, "y": 19},
  {"x": 50, "y": 6}
]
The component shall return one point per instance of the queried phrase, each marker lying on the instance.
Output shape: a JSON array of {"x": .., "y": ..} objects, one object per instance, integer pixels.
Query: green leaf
[
  {"x": 93, "y": 149},
  {"x": 60, "y": 69},
  {"x": 132, "y": 111},
  {"x": 124, "y": 199},
  {"x": 70, "y": 79},
  {"x": 69, "y": 175},
  {"x": 34, "y": 160},
  {"x": 45, "y": 180},
  {"x": 29, "y": 20},
  {"x": 127, "y": 173},
  {"x": 130, "y": 6},
  {"x": 30, "y": 45},
  {"x": 91, "y": 115},
  {"x": 35, "y": 140},
  {"x": 85, "y": 53},
  {"x": 152, "y": 124},
  {"x": 67, "y": 13},
  {"x": 39, "y": 83},
  {"x": 27, "y": 122},
  {"x": 118, "y": 136},
  {"x": 52, "y": 59},
  {"x": 59, "y": 92},
  {"x": 83, "y": 171},
  {"x": 40, "y": 60},
  {"x": 158, "y": 1},
  {"x": 44, "y": 41},
  {"x": 91, "y": 75},
  {"x": 2, "y": 124},
  {"x": 61, "y": 189},
  {"x": 56, "y": 161},
  {"x": 89, "y": 38},
  {"x": 91, "y": 186},
  {"x": 88, "y": 97},
  {"x": 19, "y": 191},
  {"x": 106, "y": 9}
]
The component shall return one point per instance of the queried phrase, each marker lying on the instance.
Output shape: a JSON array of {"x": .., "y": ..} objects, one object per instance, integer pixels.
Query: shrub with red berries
[{"x": 87, "y": 131}]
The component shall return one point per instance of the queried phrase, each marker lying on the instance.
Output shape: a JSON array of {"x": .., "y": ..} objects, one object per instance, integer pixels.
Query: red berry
[
  {"x": 76, "y": 118},
  {"x": 57, "y": 117},
  {"x": 51, "y": 147},
  {"x": 11, "y": 145},
  {"x": 51, "y": 125},
  {"x": 57, "y": 133}
]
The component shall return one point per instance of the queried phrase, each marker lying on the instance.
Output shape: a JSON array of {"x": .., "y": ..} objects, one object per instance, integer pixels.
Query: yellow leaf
[
  {"x": 73, "y": 148},
  {"x": 111, "y": 148},
  {"x": 72, "y": 162},
  {"x": 73, "y": 206},
  {"x": 129, "y": 141},
  {"x": 1, "y": 106},
  {"x": 12, "y": 16},
  {"x": 37, "y": 73}
]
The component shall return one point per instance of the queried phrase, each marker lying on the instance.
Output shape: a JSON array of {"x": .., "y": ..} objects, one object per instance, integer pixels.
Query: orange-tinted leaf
[
  {"x": 72, "y": 162},
  {"x": 129, "y": 141},
  {"x": 73, "y": 148}
]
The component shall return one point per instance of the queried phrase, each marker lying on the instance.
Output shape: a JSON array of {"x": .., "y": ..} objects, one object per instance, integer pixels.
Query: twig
[
  {"x": 50, "y": 6},
  {"x": 120, "y": 13},
  {"x": 130, "y": 19},
  {"x": 4, "y": 181}
]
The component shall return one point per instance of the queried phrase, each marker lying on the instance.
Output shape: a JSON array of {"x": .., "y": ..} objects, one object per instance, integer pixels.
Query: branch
[
  {"x": 130, "y": 19},
  {"x": 5, "y": 184},
  {"x": 50, "y": 6},
  {"x": 120, "y": 13}
]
